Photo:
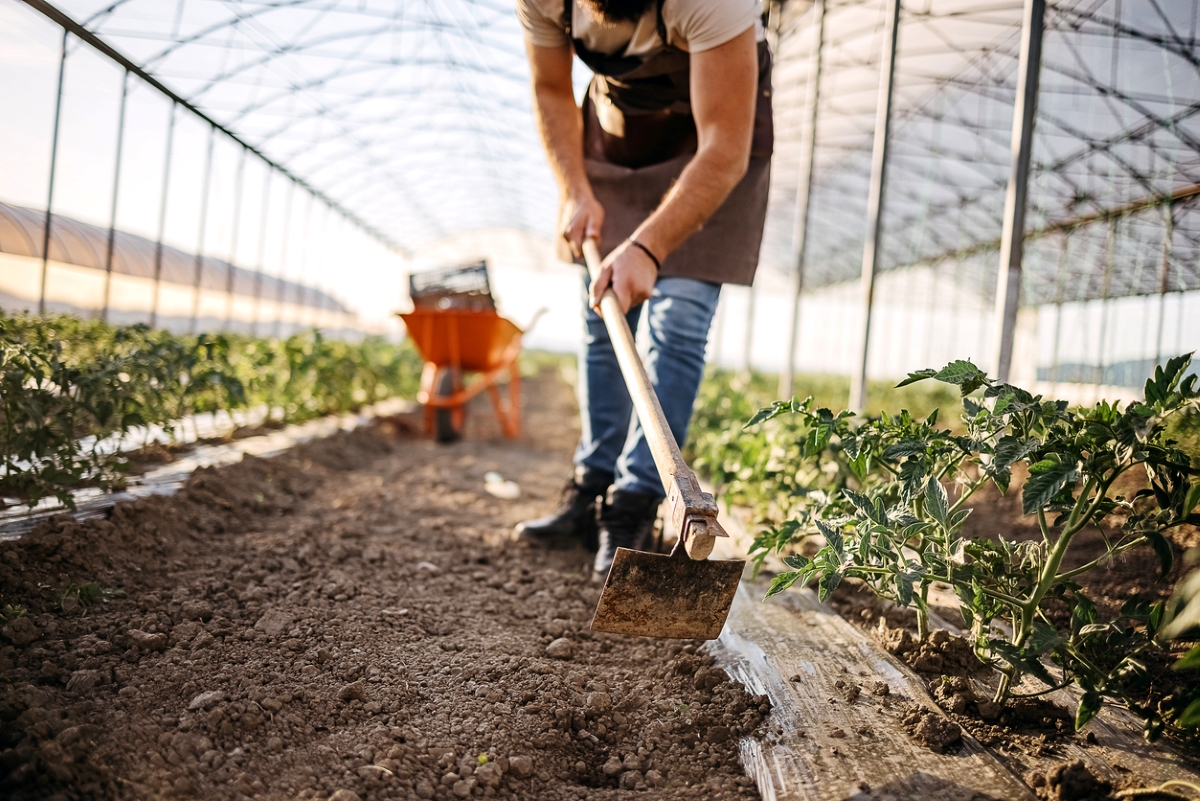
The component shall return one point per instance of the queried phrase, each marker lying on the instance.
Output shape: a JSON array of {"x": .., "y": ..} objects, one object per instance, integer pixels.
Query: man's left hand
[{"x": 630, "y": 273}]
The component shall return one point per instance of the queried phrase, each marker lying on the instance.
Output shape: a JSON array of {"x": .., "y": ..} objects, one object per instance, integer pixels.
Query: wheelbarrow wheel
[{"x": 447, "y": 421}]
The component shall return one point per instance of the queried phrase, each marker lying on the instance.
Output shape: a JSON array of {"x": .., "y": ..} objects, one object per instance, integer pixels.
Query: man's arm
[
  {"x": 560, "y": 123},
  {"x": 724, "y": 91}
]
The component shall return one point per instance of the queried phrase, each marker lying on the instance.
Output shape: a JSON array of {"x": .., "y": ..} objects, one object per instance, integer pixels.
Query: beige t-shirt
[{"x": 692, "y": 25}]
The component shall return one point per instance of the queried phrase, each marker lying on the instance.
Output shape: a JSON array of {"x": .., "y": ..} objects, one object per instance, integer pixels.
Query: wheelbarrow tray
[
  {"x": 473, "y": 341},
  {"x": 458, "y": 341}
]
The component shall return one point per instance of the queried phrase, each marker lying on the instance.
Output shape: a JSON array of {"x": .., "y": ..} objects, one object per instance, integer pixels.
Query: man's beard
[{"x": 614, "y": 11}]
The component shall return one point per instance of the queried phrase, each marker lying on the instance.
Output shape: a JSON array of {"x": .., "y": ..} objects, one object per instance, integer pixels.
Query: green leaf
[
  {"x": 1190, "y": 660},
  {"x": 1083, "y": 612},
  {"x": 936, "y": 501},
  {"x": 864, "y": 505},
  {"x": 1162, "y": 548},
  {"x": 781, "y": 583},
  {"x": 828, "y": 583},
  {"x": 1191, "y": 500},
  {"x": 797, "y": 561},
  {"x": 904, "y": 587},
  {"x": 1044, "y": 638},
  {"x": 905, "y": 448},
  {"x": 1047, "y": 483},
  {"x": 769, "y": 412},
  {"x": 834, "y": 538},
  {"x": 1009, "y": 449},
  {"x": 963, "y": 373},
  {"x": 1089, "y": 705},
  {"x": 1191, "y": 716},
  {"x": 1043, "y": 466},
  {"x": 919, "y": 375}
]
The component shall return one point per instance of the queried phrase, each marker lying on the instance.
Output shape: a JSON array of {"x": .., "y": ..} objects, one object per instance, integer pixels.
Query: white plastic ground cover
[
  {"x": 818, "y": 745},
  {"x": 18, "y": 520}
]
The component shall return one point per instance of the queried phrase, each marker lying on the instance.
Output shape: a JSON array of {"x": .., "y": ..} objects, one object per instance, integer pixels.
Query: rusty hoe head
[{"x": 681, "y": 596}]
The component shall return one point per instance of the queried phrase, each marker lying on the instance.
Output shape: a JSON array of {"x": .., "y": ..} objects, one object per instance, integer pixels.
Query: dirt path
[{"x": 347, "y": 621}]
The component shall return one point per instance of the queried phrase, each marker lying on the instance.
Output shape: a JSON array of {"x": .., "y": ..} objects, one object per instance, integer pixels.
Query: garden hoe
[{"x": 684, "y": 595}]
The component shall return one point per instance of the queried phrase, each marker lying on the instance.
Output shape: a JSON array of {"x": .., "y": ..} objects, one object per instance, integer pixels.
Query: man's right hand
[{"x": 582, "y": 218}]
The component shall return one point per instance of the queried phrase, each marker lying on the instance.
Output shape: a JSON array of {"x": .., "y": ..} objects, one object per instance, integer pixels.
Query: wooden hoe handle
[{"x": 693, "y": 512}]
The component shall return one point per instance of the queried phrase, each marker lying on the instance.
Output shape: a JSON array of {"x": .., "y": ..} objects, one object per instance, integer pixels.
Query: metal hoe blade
[{"x": 653, "y": 595}]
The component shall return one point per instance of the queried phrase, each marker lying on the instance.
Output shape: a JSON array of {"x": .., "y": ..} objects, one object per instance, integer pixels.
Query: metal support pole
[
  {"x": 112, "y": 219},
  {"x": 62, "y": 68},
  {"x": 302, "y": 272},
  {"x": 879, "y": 153},
  {"x": 1055, "y": 368},
  {"x": 1008, "y": 281},
  {"x": 312, "y": 295},
  {"x": 1165, "y": 277},
  {"x": 231, "y": 272},
  {"x": 197, "y": 279},
  {"x": 260, "y": 261},
  {"x": 280, "y": 293},
  {"x": 1105, "y": 301},
  {"x": 803, "y": 198},
  {"x": 162, "y": 219}
]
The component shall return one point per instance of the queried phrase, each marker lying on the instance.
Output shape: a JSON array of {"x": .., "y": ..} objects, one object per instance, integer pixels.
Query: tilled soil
[{"x": 349, "y": 620}]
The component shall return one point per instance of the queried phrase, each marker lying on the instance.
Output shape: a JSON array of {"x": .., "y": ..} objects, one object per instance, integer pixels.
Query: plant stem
[
  {"x": 1120, "y": 549},
  {"x": 1003, "y": 597},
  {"x": 1080, "y": 515},
  {"x": 923, "y": 611},
  {"x": 1044, "y": 526},
  {"x": 1005, "y": 685}
]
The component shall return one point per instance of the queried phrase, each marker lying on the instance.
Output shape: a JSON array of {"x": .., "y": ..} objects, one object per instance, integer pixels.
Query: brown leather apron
[{"x": 639, "y": 135}]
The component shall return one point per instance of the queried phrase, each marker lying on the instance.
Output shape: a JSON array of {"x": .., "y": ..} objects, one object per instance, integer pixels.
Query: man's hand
[
  {"x": 582, "y": 218},
  {"x": 630, "y": 273}
]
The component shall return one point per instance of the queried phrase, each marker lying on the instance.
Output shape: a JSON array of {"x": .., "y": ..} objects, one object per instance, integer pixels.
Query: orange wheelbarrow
[{"x": 455, "y": 342}]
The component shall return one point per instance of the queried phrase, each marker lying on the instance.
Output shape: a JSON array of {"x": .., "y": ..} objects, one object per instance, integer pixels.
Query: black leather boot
[
  {"x": 627, "y": 521},
  {"x": 573, "y": 523}
]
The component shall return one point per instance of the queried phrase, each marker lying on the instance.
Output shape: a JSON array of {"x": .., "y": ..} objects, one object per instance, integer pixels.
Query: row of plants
[
  {"x": 763, "y": 468},
  {"x": 883, "y": 499},
  {"x": 70, "y": 386}
]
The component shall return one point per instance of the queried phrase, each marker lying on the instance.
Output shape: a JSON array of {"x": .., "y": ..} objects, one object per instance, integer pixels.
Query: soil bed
[{"x": 346, "y": 621}]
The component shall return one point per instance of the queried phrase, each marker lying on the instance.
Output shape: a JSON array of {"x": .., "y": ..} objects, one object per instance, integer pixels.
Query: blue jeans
[{"x": 679, "y": 314}]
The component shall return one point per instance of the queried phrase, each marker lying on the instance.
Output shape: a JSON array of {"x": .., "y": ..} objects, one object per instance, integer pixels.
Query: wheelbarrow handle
[{"x": 693, "y": 512}]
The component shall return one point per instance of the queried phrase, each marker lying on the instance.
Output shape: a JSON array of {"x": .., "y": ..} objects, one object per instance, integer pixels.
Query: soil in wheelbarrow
[{"x": 349, "y": 620}]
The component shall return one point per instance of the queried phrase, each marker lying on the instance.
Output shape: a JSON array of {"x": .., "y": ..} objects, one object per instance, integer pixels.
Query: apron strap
[
  {"x": 659, "y": 24},
  {"x": 662, "y": 26}
]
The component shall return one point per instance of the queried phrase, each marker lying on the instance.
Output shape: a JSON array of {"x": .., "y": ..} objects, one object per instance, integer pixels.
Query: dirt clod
[
  {"x": 932, "y": 730},
  {"x": 20, "y": 632},
  {"x": 562, "y": 648},
  {"x": 1071, "y": 781},
  {"x": 207, "y": 699},
  {"x": 521, "y": 766}
]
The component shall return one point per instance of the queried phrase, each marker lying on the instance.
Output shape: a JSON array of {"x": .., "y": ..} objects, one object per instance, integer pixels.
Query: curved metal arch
[
  {"x": 367, "y": 68},
  {"x": 271, "y": 57}
]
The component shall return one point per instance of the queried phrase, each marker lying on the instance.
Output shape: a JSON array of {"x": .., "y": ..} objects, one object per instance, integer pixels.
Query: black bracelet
[{"x": 646, "y": 250}]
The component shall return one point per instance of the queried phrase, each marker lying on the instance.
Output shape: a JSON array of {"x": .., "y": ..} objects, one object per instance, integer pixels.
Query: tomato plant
[
  {"x": 68, "y": 385},
  {"x": 892, "y": 498}
]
